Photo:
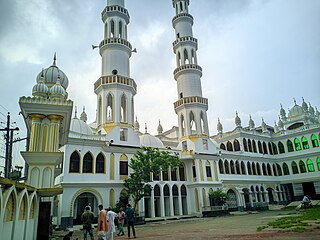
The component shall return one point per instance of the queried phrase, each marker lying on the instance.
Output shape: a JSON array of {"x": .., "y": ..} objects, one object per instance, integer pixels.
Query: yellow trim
[
  {"x": 201, "y": 170},
  {"x": 112, "y": 157},
  {"x": 123, "y": 177},
  {"x": 55, "y": 118}
]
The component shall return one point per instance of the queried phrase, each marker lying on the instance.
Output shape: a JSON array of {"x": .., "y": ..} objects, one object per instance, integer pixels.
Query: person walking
[
  {"x": 102, "y": 223},
  {"x": 130, "y": 220},
  {"x": 111, "y": 215},
  {"x": 87, "y": 219},
  {"x": 121, "y": 216}
]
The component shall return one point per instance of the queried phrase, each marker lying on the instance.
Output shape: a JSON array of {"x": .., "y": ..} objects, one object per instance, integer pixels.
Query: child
[{"x": 121, "y": 217}]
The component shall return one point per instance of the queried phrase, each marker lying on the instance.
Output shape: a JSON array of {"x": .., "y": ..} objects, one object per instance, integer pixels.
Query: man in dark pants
[
  {"x": 130, "y": 220},
  {"x": 87, "y": 219}
]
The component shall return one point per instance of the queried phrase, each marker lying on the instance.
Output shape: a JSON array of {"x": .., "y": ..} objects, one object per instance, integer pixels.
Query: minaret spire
[{"x": 191, "y": 107}]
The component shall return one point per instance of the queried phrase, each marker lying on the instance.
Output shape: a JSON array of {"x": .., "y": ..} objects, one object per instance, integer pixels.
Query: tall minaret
[
  {"x": 115, "y": 89},
  {"x": 190, "y": 107}
]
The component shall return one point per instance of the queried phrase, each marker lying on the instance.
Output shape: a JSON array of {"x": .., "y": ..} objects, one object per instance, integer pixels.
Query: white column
[
  {"x": 180, "y": 201},
  {"x": 152, "y": 204},
  {"x": 162, "y": 212},
  {"x": 171, "y": 202}
]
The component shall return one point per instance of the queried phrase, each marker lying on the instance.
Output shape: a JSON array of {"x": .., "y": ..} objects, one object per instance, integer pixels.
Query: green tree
[
  {"x": 218, "y": 197},
  {"x": 149, "y": 160}
]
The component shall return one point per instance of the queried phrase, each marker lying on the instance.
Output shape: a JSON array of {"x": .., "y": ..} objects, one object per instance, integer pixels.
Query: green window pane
[
  {"x": 290, "y": 146},
  {"x": 297, "y": 144},
  {"x": 305, "y": 144},
  {"x": 310, "y": 166},
  {"x": 302, "y": 167},
  {"x": 314, "y": 141},
  {"x": 294, "y": 168},
  {"x": 318, "y": 163}
]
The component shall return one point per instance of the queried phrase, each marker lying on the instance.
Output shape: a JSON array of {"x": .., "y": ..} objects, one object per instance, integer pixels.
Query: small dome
[
  {"x": 50, "y": 75},
  {"x": 219, "y": 126},
  {"x": 264, "y": 126},
  {"x": 40, "y": 89},
  {"x": 159, "y": 129},
  {"x": 83, "y": 116},
  {"x": 295, "y": 111},
  {"x": 237, "y": 120},
  {"x": 251, "y": 123},
  {"x": 57, "y": 91},
  {"x": 79, "y": 126},
  {"x": 136, "y": 125},
  {"x": 282, "y": 112},
  {"x": 304, "y": 105},
  {"x": 150, "y": 141},
  {"x": 311, "y": 109}
]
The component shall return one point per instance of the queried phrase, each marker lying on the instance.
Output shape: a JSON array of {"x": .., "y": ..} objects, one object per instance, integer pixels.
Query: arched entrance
[
  {"x": 246, "y": 198},
  {"x": 175, "y": 195},
  {"x": 232, "y": 200},
  {"x": 83, "y": 200},
  {"x": 166, "y": 193},
  {"x": 157, "y": 201},
  {"x": 184, "y": 200}
]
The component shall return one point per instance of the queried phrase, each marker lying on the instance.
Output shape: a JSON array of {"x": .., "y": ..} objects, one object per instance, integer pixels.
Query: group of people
[{"x": 106, "y": 222}]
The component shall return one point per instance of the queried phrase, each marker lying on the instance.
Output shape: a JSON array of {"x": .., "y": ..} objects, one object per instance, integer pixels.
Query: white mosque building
[{"x": 255, "y": 165}]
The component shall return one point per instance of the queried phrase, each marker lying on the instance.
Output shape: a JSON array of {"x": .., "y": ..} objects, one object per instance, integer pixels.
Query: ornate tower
[
  {"x": 190, "y": 107},
  {"x": 115, "y": 89},
  {"x": 47, "y": 116}
]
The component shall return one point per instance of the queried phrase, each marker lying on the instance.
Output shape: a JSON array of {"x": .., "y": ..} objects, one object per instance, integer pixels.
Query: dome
[
  {"x": 251, "y": 123},
  {"x": 304, "y": 105},
  {"x": 57, "y": 90},
  {"x": 40, "y": 90},
  {"x": 150, "y": 141},
  {"x": 296, "y": 110},
  {"x": 50, "y": 76},
  {"x": 282, "y": 112},
  {"x": 80, "y": 127}
]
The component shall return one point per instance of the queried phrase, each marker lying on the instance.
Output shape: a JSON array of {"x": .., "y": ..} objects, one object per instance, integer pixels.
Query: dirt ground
[{"x": 233, "y": 227}]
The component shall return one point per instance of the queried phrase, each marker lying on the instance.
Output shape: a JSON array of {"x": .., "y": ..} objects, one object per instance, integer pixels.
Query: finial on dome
[
  {"x": 83, "y": 115},
  {"x": 42, "y": 75},
  {"x": 159, "y": 129},
  {"x": 295, "y": 102},
  {"x": 136, "y": 125},
  {"x": 145, "y": 128},
  {"x": 75, "y": 112},
  {"x": 54, "y": 59},
  {"x": 219, "y": 127}
]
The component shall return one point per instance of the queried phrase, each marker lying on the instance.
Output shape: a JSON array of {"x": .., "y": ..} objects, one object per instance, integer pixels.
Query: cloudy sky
[{"x": 255, "y": 54}]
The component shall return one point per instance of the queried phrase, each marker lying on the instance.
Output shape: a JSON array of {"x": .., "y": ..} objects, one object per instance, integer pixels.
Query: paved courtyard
[{"x": 236, "y": 226}]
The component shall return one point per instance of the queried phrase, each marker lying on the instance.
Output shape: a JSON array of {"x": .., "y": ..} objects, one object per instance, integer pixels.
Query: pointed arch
[
  {"x": 35, "y": 177},
  {"x": 314, "y": 141},
  {"x": 203, "y": 123},
  {"x": 245, "y": 146},
  {"x": 249, "y": 145},
  {"x": 236, "y": 145},
  {"x": 222, "y": 146},
  {"x": 100, "y": 163},
  {"x": 305, "y": 144},
  {"x": 281, "y": 147},
  {"x": 232, "y": 170},
  {"x": 229, "y": 146},
  {"x": 258, "y": 169},
  {"x": 297, "y": 144},
  {"x": 208, "y": 171},
  {"x": 318, "y": 163},
  {"x": 87, "y": 166},
  {"x": 237, "y": 167},
  {"x": 186, "y": 57},
  {"x": 47, "y": 178},
  {"x": 120, "y": 30},
  {"x": 221, "y": 169},
  {"x": 264, "y": 169},
  {"x": 270, "y": 149},
  {"x": 310, "y": 165},
  {"x": 226, "y": 167},
  {"x": 182, "y": 172},
  {"x": 123, "y": 108},
  {"x": 249, "y": 168},
  {"x": 10, "y": 209},
  {"x": 124, "y": 170},
  {"x": 260, "y": 147},
  {"x": 269, "y": 170},
  {"x": 254, "y": 146},
  {"x": 302, "y": 167},
  {"x": 192, "y": 122},
  {"x": 294, "y": 167},
  {"x": 243, "y": 168},
  {"x": 183, "y": 126},
  {"x": 110, "y": 107},
  {"x": 265, "y": 150},
  {"x": 254, "y": 172},
  {"x": 285, "y": 169},
  {"x": 290, "y": 146},
  {"x": 112, "y": 28}
]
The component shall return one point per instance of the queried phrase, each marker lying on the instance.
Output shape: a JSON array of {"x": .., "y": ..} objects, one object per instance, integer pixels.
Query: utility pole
[{"x": 9, "y": 141}]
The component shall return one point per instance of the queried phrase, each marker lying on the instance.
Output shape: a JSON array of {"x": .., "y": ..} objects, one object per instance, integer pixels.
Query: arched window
[
  {"x": 258, "y": 169},
  {"x": 74, "y": 166},
  {"x": 260, "y": 147},
  {"x": 229, "y": 146},
  {"x": 182, "y": 175},
  {"x": 264, "y": 170},
  {"x": 265, "y": 151},
  {"x": 305, "y": 143},
  {"x": 302, "y": 167},
  {"x": 124, "y": 165},
  {"x": 222, "y": 146},
  {"x": 109, "y": 108},
  {"x": 249, "y": 145},
  {"x": 249, "y": 168},
  {"x": 280, "y": 147},
  {"x": 183, "y": 127},
  {"x": 236, "y": 145},
  {"x": 173, "y": 174},
  {"x": 123, "y": 109},
  {"x": 310, "y": 166},
  {"x": 220, "y": 163},
  {"x": 243, "y": 168},
  {"x": 318, "y": 163},
  {"x": 285, "y": 169},
  {"x": 87, "y": 163},
  {"x": 193, "y": 57},
  {"x": 179, "y": 59},
  {"x": 279, "y": 169},
  {"x": 275, "y": 172},
  {"x": 289, "y": 146},
  {"x": 232, "y": 167},
  {"x": 314, "y": 141},
  {"x": 226, "y": 167},
  {"x": 294, "y": 168},
  {"x": 269, "y": 170},
  {"x": 254, "y": 146},
  {"x": 245, "y": 145},
  {"x": 186, "y": 58},
  {"x": 270, "y": 148},
  {"x": 208, "y": 170},
  {"x": 297, "y": 144},
  {"x": 238, "y": 167},
  {"x": 100, "y": 166},
  {"x": 202, "y": 123},
  {"x": 112, "y": 29},
  {"x": 274, "y": 148},
  {"x": 194, "y": 172},
  {"x": 120, "y": 29},
  {"x": 254, "y": 172},
  {"x": 192, "y": 123}
]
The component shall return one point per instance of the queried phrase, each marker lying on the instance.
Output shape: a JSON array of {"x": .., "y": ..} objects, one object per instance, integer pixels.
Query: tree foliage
[
  {"x": 149, "y": 160},
  {"x": 218, "y": 197}
]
